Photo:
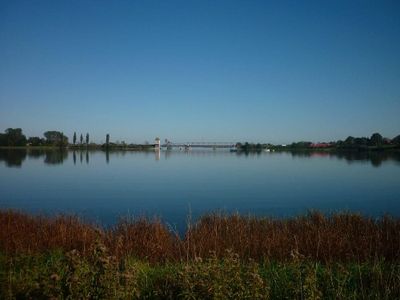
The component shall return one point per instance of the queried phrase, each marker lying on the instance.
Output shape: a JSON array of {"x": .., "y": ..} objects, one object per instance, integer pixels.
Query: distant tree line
[
  {"x": 251, "y": 147},
  {"x": 14, "y": 137},
  {"x": 376, "y": 141}
]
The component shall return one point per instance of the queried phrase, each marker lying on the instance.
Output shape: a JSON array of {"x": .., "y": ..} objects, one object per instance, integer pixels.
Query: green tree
[
  {"x": 301, "y": 145},
  {"x": 36, "y": 141},
  {"x": 61, "y": 141},
  {"x": 3, "y": 139},
  {"x": 396, "y": 140},
  {"x": 107, "y": 139},
  {"x": 74, "y": 138},
  {"x": 349, "y": 141},
  {"x": 55, "y": 138},
  {"x": 81, "y": 139},
  {"x": 363, "y": 141},
  {"x": 376, "y": 139},
  {"x": 87, "y": 138},
  {"x": 14, "y": 137}
]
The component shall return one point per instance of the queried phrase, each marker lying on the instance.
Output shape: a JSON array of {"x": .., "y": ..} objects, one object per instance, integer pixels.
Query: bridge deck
[{"x": 201, "y": 144}]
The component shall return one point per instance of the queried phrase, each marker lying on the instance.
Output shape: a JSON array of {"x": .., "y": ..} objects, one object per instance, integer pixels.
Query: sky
[{"x": 258, "y": 71}]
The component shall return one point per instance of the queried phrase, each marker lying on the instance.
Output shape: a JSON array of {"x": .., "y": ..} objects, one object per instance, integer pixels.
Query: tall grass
[
  {"x": 98, "y": 275},
  {"x": 341, "y": 256},
  {"x": 341, "y": 237}
]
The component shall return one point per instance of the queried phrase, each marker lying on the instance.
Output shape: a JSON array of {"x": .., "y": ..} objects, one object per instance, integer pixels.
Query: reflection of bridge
[{"x": 169, "y": 144}]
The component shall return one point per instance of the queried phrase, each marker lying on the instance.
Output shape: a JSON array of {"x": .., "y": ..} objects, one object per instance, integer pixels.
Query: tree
[
  {"x": 396, "y": 140},
  {"x": 55, "y": 138},
  {"x": 74, "y": 138},
  {"x": 14, "y": 137},
  {"x": 349, "y": 141},
  {"x": 87, "y": 138},
  {"x": 52, "y": 137},
  {"x": 376, "y": 139},
  {"x": 3, "y": 139},
  {"x": 61, "y": 142},
  {"x": 81, "y": 139},
  {"x": 363, "y": 141},
  {"x": 301, "y": 145},
  {"x": 36, "y": 141},
  {"x": 107, "y": 139}
]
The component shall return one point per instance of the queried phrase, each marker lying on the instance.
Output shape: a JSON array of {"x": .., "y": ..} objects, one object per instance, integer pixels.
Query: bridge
[{"x": 214, "y": 145}]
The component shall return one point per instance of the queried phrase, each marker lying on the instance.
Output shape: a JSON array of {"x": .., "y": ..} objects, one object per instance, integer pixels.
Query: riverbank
[
  {"x": 82, "y": 148},
  {"x": 313, "y": 256}
]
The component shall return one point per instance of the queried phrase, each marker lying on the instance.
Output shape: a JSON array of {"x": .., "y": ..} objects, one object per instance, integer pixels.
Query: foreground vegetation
[{"x": 343, "y": 256}]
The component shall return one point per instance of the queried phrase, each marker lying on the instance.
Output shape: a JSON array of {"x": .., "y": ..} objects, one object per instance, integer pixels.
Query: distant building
[
  {"x": 157, "y": 143},
  {"x": 320, "y": 145}
]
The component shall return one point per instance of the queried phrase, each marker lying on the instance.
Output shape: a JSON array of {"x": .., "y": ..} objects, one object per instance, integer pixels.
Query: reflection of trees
[
  {"x": 301, "y": 153},
  {"x": 55, "y": 157},
  {"x": 247, "y": 152},
  {"x": 13, "y": 158},
  {"x": 35, "y": 153},
  {"x": 167, "y": 153},
  {"x": 376, "y": 158}
]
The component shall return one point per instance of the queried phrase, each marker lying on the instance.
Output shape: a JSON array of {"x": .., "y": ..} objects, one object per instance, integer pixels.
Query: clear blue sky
[{"x": 201, "y": 70}]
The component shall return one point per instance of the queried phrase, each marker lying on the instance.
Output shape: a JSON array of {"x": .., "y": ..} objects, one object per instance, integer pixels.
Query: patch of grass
[{"x": 100, "y": 276}]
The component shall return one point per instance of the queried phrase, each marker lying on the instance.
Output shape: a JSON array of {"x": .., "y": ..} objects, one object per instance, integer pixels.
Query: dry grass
[
  {"x": 336, "y": 238},
  {"x": 340, "y": 237}
]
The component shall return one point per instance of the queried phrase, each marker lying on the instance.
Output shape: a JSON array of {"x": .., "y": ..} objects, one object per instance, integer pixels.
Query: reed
[
  {"x": 338, "y": 237},
  {"x": 341, "y": 237}
]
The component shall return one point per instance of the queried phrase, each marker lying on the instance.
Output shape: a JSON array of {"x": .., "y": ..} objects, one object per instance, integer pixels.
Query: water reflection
[
  {"x": 55, "y": 157},
  {"x": 13, "y": 158},
  {"x": 106, "y": 184},
  {"x": 35, "y": 153},
  {"x": 375, "y": 158},
  {"x": 16, "y": 157}
]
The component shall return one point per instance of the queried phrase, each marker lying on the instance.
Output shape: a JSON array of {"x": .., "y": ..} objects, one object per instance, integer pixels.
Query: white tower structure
[{"x": 158, "y": 143}]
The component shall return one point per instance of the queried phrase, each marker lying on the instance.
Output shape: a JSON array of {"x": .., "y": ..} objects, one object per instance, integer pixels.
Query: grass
[{"x": 341, "y": 256}]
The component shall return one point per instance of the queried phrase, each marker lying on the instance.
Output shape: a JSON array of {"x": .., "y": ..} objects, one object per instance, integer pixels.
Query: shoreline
[{"x": 152, "y": 147}]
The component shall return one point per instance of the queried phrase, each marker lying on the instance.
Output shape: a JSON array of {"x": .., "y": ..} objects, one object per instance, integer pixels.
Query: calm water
[{"x": 170, "y": 184}]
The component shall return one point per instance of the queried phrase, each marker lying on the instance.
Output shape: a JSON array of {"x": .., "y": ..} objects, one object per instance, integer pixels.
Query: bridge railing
[{"x": 200, "y": 144}]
